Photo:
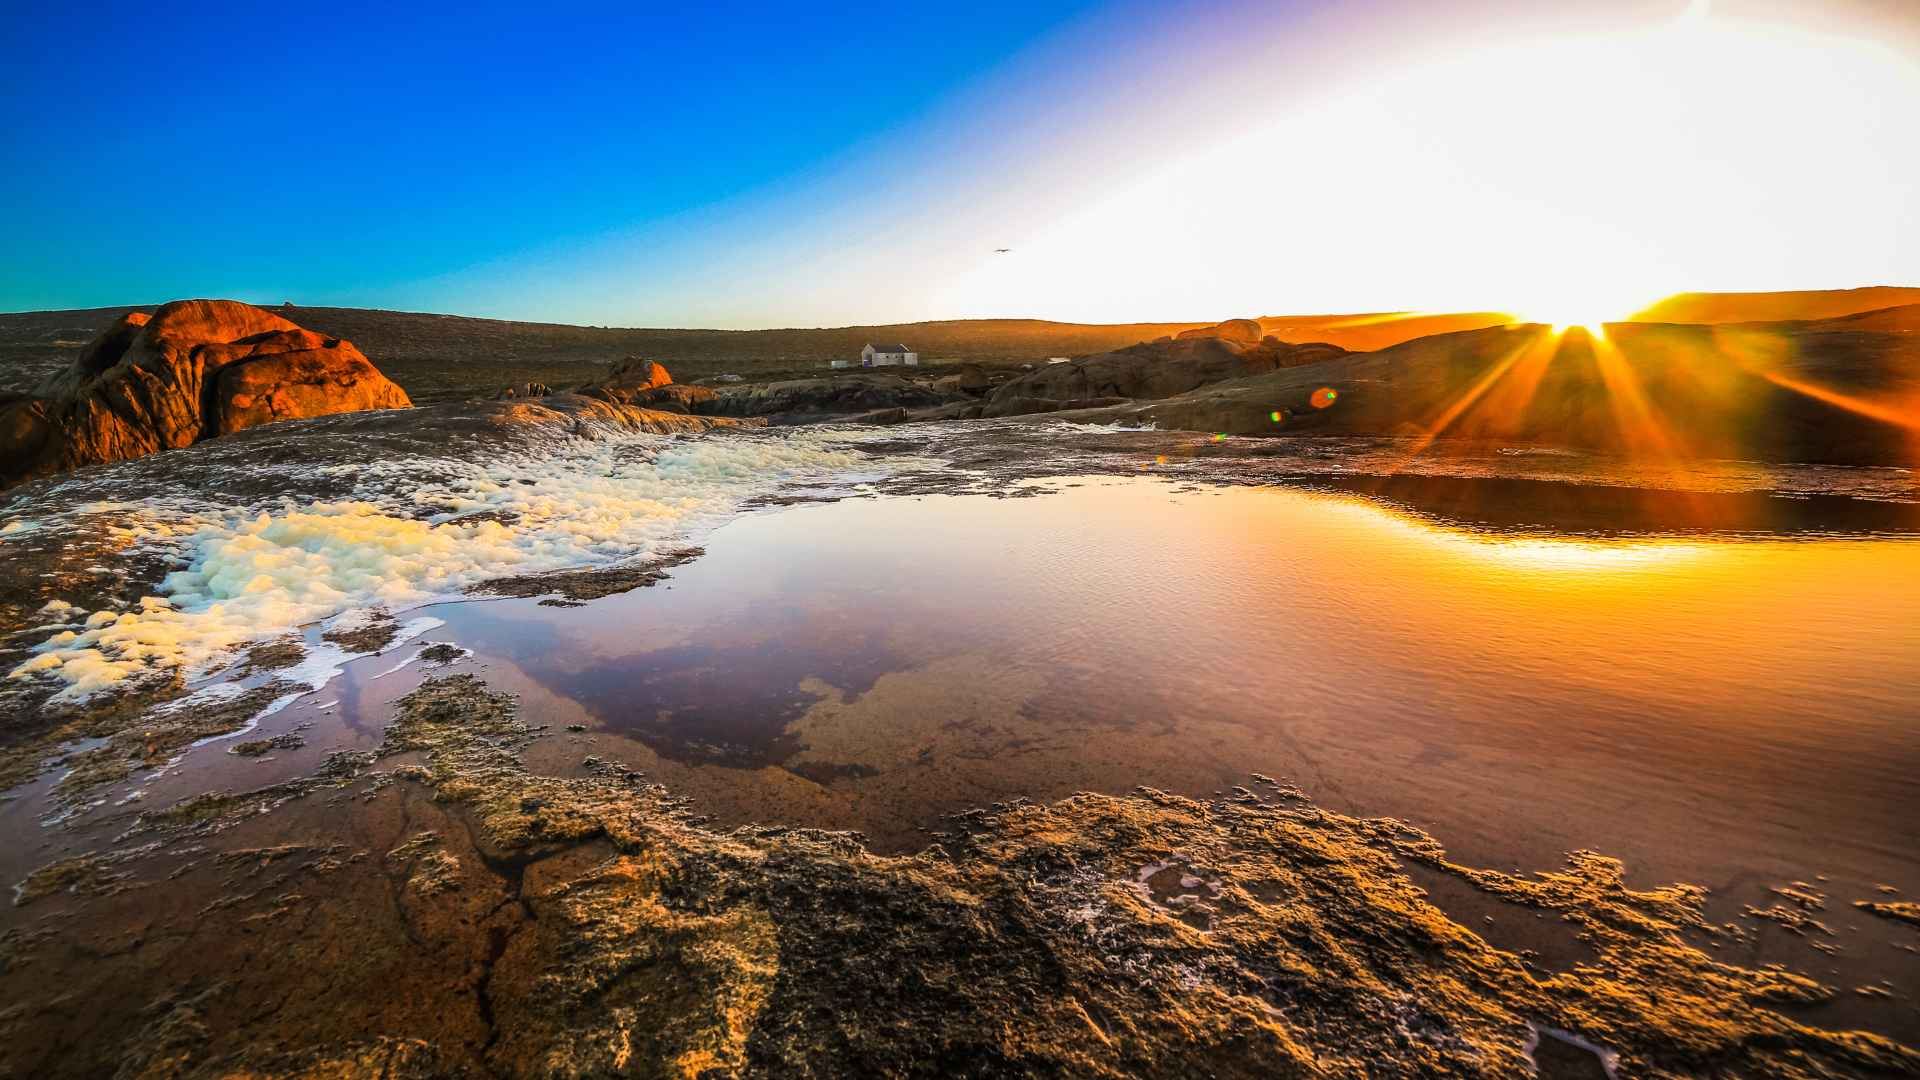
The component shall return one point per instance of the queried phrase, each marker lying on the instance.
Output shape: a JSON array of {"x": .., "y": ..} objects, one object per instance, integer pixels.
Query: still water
[
  {"x": 1730, "y": 707},
  {"x": 1709, "y": 707}
]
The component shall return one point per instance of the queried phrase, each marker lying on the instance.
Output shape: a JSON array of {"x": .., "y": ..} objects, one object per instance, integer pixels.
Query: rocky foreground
[{"x": 436, "y": 908}]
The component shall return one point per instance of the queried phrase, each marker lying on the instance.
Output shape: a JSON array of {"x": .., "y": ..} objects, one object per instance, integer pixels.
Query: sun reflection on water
[{"x": 1528, "y": 552}]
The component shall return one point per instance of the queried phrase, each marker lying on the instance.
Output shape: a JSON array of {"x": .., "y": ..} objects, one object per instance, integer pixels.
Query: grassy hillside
[
  {"x": 1365, "y": 333},
  {"x": 1776, "y": 306},
  {"x": 435, "y": 356}
]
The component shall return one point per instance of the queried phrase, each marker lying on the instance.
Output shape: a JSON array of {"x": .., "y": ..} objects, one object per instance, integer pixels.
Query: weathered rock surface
[
  {"x": 195, "y": 370},
  {"x": 677, "y": 397},
  {"x": 523, "y": 924},
  {"x": 1156, "y": 369},
  {"x": 815, "y": 399},
  {"x": 1023, "y": 406},
  {"x": 1239, "y": 331},
  {"x": 637, "y": 373}
]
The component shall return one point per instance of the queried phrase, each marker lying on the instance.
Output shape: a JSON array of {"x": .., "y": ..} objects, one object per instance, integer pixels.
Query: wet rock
[
  {"x": 291, "y": 740},
  {"x": 149, "y": 737},
  {"x": 442, "y": 653},
  {"x": 575, "y": 586},
  {"x": 195, "y": 370},
  {"x": 1095, "y": 936},
  {"x": 431, "y": 870},
  {"x": 274, "y": 655},
  {"x": 366, "y": 634}
]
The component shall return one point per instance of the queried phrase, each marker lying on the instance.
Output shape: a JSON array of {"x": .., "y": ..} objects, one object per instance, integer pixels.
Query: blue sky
[
  {"x": 761, "y": 165},
  {"x": 327, "y": 150}
]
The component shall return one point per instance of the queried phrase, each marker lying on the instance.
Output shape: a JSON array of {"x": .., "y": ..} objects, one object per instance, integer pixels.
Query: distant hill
[
  {"x": 1776, "y": 306},
  {"x": 437, "y": 356},
  {"x": 1380, "y": 330}
]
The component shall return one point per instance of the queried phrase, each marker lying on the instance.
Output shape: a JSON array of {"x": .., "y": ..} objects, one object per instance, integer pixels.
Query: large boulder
[
  {"x": 194, "y": 370},
  {"x": 1238, "y": 331},
  {"x": 637, "y": 373}
]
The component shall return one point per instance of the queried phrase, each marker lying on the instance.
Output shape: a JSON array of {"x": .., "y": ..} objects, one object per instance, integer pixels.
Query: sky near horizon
[{"x": 758, "y": 165}]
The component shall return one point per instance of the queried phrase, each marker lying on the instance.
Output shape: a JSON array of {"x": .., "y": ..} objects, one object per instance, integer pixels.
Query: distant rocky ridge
[
  {"x": 1776, "y": 306},
  {"x": 194, "y": 370},
  {"x": 1842, "y": 391}
]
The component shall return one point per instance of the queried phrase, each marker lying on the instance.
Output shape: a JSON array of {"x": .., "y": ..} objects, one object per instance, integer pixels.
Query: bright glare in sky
[{"x": 1570, "y": 180}]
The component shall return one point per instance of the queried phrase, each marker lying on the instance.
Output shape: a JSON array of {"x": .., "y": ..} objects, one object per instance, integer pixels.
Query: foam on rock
[{"x": 258, "y": 571}]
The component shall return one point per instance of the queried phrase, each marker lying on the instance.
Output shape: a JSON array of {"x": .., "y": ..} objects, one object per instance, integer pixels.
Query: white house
[{"x": 888, "y": 356}]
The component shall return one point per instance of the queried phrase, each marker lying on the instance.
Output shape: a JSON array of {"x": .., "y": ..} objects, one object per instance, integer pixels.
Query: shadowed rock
[
  {"x": 1154, "y": 369},
  {"x": 1820, "y": 392},
  {"x": 195, "y": 370},
  {"x": 815, "y": 399}
]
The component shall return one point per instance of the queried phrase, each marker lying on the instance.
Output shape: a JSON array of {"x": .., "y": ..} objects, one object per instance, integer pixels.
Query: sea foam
[{"x": 253, "y": 572}]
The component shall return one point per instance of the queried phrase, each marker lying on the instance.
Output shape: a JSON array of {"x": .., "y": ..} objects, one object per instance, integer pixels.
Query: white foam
[{"x": 258, "y": 571}]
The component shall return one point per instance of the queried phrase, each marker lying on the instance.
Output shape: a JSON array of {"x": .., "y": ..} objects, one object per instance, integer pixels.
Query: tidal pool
[
  {"x": 1732, "y": 710},
  {"x": 1716, "y": 687}
]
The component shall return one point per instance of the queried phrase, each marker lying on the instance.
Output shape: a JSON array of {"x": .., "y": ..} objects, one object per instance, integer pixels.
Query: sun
[{"x": 1588, "y": 301}]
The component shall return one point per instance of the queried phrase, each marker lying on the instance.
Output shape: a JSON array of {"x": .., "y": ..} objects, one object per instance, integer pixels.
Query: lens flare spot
[
  {"x": 1276, "y": 416},
  {"x": 1219, "y": 437},
  {"x": 1324, "y": 397}
]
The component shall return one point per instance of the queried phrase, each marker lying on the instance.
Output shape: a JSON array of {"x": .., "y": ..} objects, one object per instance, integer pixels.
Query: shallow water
[
  {"x": 1735, "y": 711},
  {"x": 1716, "y": 686}
]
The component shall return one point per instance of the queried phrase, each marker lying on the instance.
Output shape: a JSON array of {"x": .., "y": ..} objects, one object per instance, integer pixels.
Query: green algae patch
[
  {"x": 368, "y": 635},
  {"x": 579, "y": 586},
  {"x": 1095, "y": 936}
]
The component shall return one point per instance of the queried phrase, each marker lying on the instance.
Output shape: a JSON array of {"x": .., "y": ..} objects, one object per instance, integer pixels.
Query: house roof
[{"x": 888, "y": 348}]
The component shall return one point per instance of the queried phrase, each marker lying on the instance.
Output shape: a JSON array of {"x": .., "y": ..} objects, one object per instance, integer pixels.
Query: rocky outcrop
[
  {"x": 1238, "y": 331},
  {"x": 802, "y": 400},
  {"x": 1024, "y": 406},
  {"x": 645, "y": 383},
  {"x": 1155, "y": 369},
  {"x": 676, "y": 398},
  {"x": 636, "y": 373},
  {"x": 195, "y": 370},
  {"x": 970, "y": 380},
  {"x": 1799, "y": 392},
  {"x": 585, "y": 414}
]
